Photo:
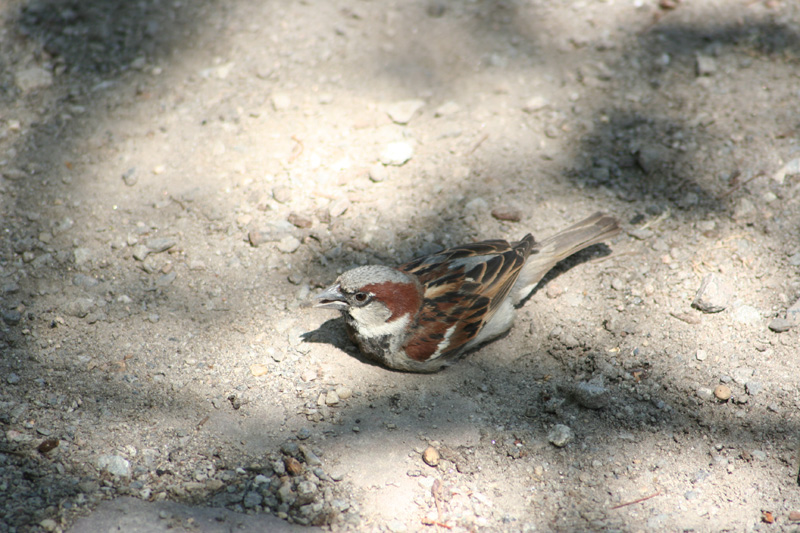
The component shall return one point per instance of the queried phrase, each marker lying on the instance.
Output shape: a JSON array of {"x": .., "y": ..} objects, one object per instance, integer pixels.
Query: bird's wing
[{"x": 463, "y": 287}]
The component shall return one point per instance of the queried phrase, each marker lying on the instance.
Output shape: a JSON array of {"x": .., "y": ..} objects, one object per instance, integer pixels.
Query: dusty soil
[{"x": 179, "y": 178}]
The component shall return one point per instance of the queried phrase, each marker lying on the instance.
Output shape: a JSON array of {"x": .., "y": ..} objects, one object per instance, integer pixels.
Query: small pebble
[
  {"x": 281, "y": 102},
  {"x": 508, "y": 214},
  {"x": 794, "y": 516},
  {"x": 259, "y": 370},
  {"x": 713, "y": 295},
  {"x": 430, "y": 456},
  {"x": 753, "y": 387},
  {"x": 344, "y": 392},
  {"x": 701, "y": 355},
  {"x": 299, "y": 221},
  {"x": 402, "y": 112},
  {"x": 396, "y": 153},
  {"x": 780, "y": 325},
  {"x": 535, "y": 104},
  {"x": 704, "y": 393},
  {"x": 560, "y": 435},
  {"x": 332, "y": 398},
  {"x": 722, "y": 392},
  {"x": 378, "y": 173},
  {"x": 288, "y": 244}
]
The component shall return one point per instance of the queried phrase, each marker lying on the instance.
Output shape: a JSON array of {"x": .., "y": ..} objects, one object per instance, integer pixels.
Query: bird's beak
[{"x": 332, "y": 298}]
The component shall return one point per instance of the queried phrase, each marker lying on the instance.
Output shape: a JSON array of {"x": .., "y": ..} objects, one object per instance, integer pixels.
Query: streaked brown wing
[{"x": 463, "y": 288}]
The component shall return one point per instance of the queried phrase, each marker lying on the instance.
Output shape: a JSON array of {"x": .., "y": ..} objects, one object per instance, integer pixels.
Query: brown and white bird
[{"x": 423, "y": 315}]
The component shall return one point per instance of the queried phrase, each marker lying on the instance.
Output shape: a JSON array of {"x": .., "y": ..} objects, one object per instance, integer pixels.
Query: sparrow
[{"x": 424, "y": 315}]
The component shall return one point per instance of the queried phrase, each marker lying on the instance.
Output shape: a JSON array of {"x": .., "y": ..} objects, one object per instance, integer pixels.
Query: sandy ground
[{"x": 179, "y": 179}]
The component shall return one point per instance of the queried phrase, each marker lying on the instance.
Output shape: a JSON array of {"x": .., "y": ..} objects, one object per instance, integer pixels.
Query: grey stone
[
  {"x": 288, "y": 244},
  {"x": 160, "y": 244},
  {"x": 79, "y": 307},
  {"x": 780, "y": 325},
  {"x": 402, "y": 112},
  {"x": 713, "y": 295},
  {"x": 706, "y": 66},
  {"x": 251, "y": 499},
  {"x": 560, "y": 435},
  {"x": 114, "y": 465},
  {"x": 33, "y": 79}
]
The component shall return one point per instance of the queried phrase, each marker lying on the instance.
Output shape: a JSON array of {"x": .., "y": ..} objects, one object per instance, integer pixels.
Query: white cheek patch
[
  {"x": 371, "y": 321},
  {"x": 444, "y": 344}
]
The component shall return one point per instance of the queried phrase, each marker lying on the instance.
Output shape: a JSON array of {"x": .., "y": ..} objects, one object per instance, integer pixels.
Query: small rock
[
  {"x": 560, "y": 435},
  {"x": 160, "y": 244},
  {"x": 12, "y": 317},
  {"x": 430, "y": 456},
  {"x": 789, "y": 169},
  {"x": 701, "y": 355},
  {"x": 794, "y": 260},
  {"x": 396, "y": 153},
  {"x": 744, "y": 211},
  {"x": 304, "y": 433},
  {"x": 713, "y": 295},
  {"x": 282, "y": 194},
  {"x": 306, "y": 490},
  {"x": 722, "y": 392},
  {"x": 590, "y": 395},
  {"x": 82, "y": 256},
  {"x": 794, "y": 516},
  {"x": 252, "y": 499},
  {"x": 79, "y": 307},
  {"x": 114, "y": 465},
  {"x": 402, "y": 112},
  {"x": 704, "y": 393},
  {"x": 344, "y": 392},
  {"x": 281, "y": 102},
  {"x": 332, "y": 398},
  {"x": 618, "y": 285},
  {"x": 258, "y": 237},
  {"x": 165, "y": 280},
  {"x": 82, "y": 280},
  {"x": 753, "y": 387},
  {"x": 259, "y": 370},
  {"x": 309, "y": 455},
  {"x": 759, "y": 455},
  {"x": 535, "y": 104},
  {"x": 780, "y": 325},
  {"x": 746, "y": 314},
  {"x": 446, "y": 109},
  {"x": 299, "y": 221},
  {"x": 338, "y": 207},
  {"x": 378, "y": 173},
  {"x": 130, "y": 178},
  {"x": 13, "y": 378},
  {"x": 288, "y": 244},
  {"x": 506, "y": 213},
  {"x": 705, "y": 66},
  {"x": 140, "y": 252},
  {"x": 33, "y": 79},
  {"x": 48, "y": 524}
]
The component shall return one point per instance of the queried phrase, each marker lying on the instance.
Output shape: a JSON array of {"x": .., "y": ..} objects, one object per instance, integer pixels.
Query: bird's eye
[{"x": 361, "y": 296}]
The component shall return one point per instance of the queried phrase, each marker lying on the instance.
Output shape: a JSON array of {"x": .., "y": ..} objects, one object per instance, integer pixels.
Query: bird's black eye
[{"x": 361, "y": 297}]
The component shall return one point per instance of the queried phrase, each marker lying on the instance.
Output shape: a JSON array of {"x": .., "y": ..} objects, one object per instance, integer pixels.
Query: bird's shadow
[
  {"x": 334, "y": 333},
  {"x": 591, "y": 253}
]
